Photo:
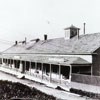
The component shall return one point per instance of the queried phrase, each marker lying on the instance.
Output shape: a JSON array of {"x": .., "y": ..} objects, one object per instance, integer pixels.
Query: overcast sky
[{"x": 34, "y": 18}]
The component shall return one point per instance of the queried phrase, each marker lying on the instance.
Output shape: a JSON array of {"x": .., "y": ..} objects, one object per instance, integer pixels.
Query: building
[{"x": 56, "y": 59}]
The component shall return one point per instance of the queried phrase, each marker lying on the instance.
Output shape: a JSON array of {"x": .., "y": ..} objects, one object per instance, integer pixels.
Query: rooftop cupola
[{"x": 71, "y": 32}]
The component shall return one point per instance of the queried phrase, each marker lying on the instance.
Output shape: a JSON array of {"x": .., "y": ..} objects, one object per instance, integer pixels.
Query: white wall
[
  {"x": 67, "y": 34},
  {"x": 85, "y": 57}
]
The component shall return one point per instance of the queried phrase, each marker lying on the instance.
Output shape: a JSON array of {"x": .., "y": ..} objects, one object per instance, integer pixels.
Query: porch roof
[{"x": 61, "y": 60}]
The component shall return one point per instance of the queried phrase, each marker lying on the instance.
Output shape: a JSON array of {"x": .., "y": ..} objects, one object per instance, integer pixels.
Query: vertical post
[
  {"x": 91, "y": 70},
  {"x": 60, "y": 73},
  {"x": 84, "y": 27},
  {"x": 13, "y": 64},
  {"x": 7, "y": 61},
  {"x": 70, "y": 73},
  {"x": 10, "y": 63},
  {"x": 35, "y": 65},
  {"x": 30, "y": 67},
  {"x": 16, "y": 65},
  {"x": 20, "y": 66},
  {"x": 15, "y": 61},
  {"x": 25, "y": 67},
  {"x": 78, "y": 33},
  {"x": 2, "y": 61},
  {"x": 50, "y": 72},
  {"x": 42, "y": 70},
  {"x": 35, "y": 69}
]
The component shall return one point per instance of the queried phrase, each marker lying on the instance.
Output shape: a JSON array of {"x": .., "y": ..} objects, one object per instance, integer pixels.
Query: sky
[{"x": 34, "y": 18}]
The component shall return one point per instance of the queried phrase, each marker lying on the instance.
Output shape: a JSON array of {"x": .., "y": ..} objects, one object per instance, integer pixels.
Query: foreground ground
[
  {"x": 17, "y": 90},
  {"x": 60, "y": 95}
]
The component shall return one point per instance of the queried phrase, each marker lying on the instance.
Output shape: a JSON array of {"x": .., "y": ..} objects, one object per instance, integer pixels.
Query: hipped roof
[{"x": 71, "y": 27}]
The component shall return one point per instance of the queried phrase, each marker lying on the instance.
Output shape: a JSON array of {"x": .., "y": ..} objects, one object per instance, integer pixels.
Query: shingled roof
[{"x": 85, "y": 44}]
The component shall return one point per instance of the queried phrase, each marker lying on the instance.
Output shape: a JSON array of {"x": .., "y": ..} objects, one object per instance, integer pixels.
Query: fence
[{"x": 86, "y": 79}]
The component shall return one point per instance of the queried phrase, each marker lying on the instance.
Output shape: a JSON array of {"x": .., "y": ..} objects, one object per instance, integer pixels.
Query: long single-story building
[{"x": 56, "y": 59}]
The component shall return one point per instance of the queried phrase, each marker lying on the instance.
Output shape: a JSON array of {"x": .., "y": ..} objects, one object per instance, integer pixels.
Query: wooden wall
[
  {"x": 86, "y": 79},
  {"x": 96, "y": 62}
]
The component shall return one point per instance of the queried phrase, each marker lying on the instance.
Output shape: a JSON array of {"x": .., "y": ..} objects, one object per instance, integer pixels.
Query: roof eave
[
  {"x": 91, "y": 53},
  {"x": 86, "y": 64}
]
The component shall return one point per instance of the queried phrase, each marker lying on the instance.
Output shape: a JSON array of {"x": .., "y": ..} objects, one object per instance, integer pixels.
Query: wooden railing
[{"x": 45, "y": 77}]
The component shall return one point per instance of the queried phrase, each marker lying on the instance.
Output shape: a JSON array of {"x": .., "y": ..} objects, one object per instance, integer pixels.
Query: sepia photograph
[{"x": 49, "y": 50}]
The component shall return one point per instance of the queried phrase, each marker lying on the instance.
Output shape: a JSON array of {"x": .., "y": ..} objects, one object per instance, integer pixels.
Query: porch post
[
  {"x": 60, "y": 73},
  {"x": 91, "y": 70},
  {"x": 7, "y": 61},
  {"x": 20, "y": 66},
  {"x": 13, "y": 64},
  {"x": 70, "y": 73},
  {"x": 25, "y": 67},
  {"x": 16, "y": 66},
  {"x": 35, "y": 65},
  {"x": 2, "y": 61},
  {"x": 42, "y": 70},
  {"x": 50, "y": 72},
  {"x": 30, "y": 67},
  {"x": 10, "y": 63}
]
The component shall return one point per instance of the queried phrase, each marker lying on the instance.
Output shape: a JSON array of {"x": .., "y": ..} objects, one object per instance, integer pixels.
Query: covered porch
[{"x": 50, "y": 69}]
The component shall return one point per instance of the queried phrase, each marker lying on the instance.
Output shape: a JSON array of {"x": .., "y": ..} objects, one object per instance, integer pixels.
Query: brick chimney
[
  {"x": 16, "y": 42},
  {"x": 45, "y": 36}
]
